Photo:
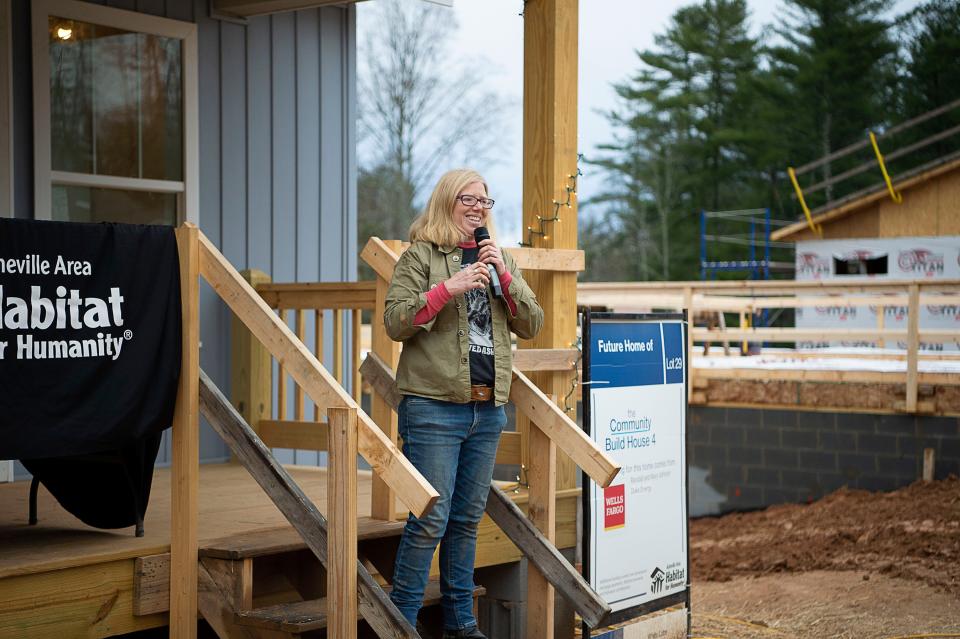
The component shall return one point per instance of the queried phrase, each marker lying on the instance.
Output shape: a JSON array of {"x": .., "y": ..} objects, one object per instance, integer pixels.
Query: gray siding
[{"x": 277, "y": 154}]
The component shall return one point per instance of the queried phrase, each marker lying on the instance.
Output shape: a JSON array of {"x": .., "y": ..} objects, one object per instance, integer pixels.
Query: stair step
[
  {"x": 304, "y": 616},
  {"x": 286, "y": 539}
]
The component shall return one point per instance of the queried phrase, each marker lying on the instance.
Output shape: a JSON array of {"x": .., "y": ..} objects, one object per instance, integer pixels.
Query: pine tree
[
  {"x": 931, "y": 76},
  {"x": 837, "y": 61},
  {"x": 679, "y": 141}
]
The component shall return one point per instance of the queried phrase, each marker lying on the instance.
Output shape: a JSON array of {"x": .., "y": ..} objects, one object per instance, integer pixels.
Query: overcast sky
[{"x": 491, "y": 31}]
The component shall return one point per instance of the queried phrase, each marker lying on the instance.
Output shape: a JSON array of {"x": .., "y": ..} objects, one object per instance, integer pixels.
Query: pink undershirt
[{"x": 438, "y": 296}]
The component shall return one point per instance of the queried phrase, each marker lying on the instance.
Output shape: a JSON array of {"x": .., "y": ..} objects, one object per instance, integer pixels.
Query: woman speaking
[{"x": 454, "y": 375}]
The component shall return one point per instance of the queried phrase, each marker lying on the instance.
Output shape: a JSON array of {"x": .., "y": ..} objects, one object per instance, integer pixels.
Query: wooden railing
[
  {"x": 350, "y": 432},
  {"x": 745, "y": 298},
  {"x": 325, "y": 315}
]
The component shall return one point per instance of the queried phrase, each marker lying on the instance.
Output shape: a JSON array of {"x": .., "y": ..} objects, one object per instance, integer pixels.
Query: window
[
  {"x": 860, "y": 264},
  {"x": 115, "y": 115}
]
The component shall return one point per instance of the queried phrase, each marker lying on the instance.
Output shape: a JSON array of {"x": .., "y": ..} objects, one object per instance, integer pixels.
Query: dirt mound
[{"x": 912, "y": 533}]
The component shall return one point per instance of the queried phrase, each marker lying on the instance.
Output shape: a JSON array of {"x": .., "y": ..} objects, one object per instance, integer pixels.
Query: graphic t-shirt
[{"x": 480, "y": 321}]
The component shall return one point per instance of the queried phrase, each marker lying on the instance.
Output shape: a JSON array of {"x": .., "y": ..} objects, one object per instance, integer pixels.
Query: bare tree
[{"x": 420, "y": 113}]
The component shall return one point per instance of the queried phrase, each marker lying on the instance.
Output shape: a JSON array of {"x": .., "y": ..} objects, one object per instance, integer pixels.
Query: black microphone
[{"x": 480, "y": 234}]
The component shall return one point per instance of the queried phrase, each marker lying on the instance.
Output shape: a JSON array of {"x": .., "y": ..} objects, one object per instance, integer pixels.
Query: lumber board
[
  {"x": 248, "y": 8},
  {"x": 151, "y": 584},
  {"x": 773, "y": 287},
  {"x": 508, "y": 452},
  {"x": 83, "y": 601},
  {"x": 381, "y": 378},
  {"x": 380, "y": 257},
  {"x": 302, "y": 514},
  {"x": 342, "y": 509},
  {"x": 548, "y": 417},
  {"x": 319, "y": 295},
  {"x": 808, "y": 375},
  {"x": 548, "y": 259},
  {"x": 381, "y": 453},
  {"x": 913, "y": 345},
  {"x": 553, "y": 565},
  {"x": 542, "y": 517},
  {"x": 795, "y": 334},
  {"x": 262, "y": 543},
  {"x": 545, "y": 359},
  {"x": 250, "y": 367},
  {"x": 217, "y": 585},
  {"x": 311, "y": 615},
  {"x": 295, "y": 434},
  {"x": 185, "y": 445},
  {"x": 383, "y": 498}
]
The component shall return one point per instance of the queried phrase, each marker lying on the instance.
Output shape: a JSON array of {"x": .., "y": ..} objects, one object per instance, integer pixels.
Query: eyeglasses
[{"x": 471, "y": 200}]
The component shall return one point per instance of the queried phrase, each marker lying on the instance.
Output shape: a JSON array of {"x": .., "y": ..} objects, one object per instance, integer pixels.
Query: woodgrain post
[
  {"x": 542, "y": 475},
  {"x": 913, "y": 345},
  {"x": 549, "y": 169},
  {"x": 342, "y": 524},
  {"x": 383, "y": 500},
  {"x": 688, "y": 307},
  {"x": 250, "y": 374},
  {"x": 185, "y": 466}
]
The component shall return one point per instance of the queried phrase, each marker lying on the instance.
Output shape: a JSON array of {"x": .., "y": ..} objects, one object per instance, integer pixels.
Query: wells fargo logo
[
  {"x": 614, "y": 504},
  {"x": 920, "y": 261}
]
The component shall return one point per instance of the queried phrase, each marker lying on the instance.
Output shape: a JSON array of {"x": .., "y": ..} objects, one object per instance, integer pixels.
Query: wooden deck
[{"x": 63, "y": 579}]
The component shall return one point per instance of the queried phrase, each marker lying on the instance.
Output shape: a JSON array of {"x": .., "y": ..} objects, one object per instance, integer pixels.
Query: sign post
[{"x": 635, "y": 408}]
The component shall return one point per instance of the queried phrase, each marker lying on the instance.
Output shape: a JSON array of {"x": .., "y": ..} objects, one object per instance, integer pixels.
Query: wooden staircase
[{"x": 271, "y": 584}]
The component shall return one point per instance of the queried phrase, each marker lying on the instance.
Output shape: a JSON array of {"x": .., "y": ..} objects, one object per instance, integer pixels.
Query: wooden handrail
[
  {"x": 381, "y": 453},
  {"x": 319, "y": 295},
  {"x": 562, "y": 430}
]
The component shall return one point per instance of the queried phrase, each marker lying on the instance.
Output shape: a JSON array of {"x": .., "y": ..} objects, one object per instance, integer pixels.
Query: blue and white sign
[{"x": 637, "y": 410}]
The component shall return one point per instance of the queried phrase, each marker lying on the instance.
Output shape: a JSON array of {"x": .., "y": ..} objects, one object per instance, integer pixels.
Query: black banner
[{"x": 89, "y": 336}]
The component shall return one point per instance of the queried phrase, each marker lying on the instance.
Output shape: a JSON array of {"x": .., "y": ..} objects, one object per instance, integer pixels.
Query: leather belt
[{"x": 481, "y": 393}]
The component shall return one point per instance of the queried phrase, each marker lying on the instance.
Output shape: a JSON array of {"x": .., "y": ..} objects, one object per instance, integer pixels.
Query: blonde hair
[{"x": 435, "y": 224}]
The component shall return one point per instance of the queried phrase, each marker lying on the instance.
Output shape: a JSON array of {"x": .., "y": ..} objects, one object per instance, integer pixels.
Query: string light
[
  {"x": 571, "y": 189},
  {"x": 575, "y": 381}
]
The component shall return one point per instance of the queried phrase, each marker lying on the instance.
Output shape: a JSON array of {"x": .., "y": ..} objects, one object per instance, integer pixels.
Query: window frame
[
  {"x": 6, "y": 113},
  {"x": 187, "y": 190}
]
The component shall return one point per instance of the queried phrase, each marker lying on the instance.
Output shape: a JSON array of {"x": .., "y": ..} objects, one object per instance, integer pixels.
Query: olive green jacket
[{"x": 435, "y": 360}]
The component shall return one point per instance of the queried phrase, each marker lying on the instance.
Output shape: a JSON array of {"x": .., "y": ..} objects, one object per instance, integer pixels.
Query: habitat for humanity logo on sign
[{"x": 97, "y": 321}]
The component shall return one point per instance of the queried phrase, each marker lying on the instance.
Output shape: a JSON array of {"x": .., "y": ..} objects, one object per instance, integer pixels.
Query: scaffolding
[{"x": 756, "y": 236}]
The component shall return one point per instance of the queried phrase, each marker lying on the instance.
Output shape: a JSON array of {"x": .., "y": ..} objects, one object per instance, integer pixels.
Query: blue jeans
[{"x": 454, "y": 446}]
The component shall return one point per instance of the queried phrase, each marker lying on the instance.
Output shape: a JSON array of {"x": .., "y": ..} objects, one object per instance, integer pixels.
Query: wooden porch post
[
  {"x": 383, "y": 500},
  {"x": 250, "y": 375},
  {"x": 549, "y": 164},
  {"x": 185, "y": 468},
  {"x": 342, "y": 524}
]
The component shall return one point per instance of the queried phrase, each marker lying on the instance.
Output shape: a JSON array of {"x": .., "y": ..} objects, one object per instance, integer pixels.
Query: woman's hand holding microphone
[{"x": 472, "y": 277}]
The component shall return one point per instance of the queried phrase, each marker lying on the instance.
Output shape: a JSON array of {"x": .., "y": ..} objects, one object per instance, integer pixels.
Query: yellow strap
[
  {"x": 816, "y": 228},
  {"x": 896, "y": 197}
]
